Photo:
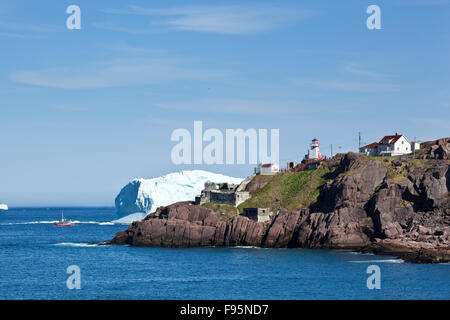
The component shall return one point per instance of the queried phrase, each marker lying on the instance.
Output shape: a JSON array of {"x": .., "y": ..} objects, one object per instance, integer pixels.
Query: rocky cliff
[
  {"x": 380, "y": 205},
  {"x": 435, "y": 149}
]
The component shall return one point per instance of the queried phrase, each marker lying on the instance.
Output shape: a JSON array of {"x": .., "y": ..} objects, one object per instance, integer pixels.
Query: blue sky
[{"x": 84, "y": 111}]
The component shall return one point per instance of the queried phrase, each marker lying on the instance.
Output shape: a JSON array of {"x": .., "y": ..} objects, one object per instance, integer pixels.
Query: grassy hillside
[{"x": 287, "y": 190}]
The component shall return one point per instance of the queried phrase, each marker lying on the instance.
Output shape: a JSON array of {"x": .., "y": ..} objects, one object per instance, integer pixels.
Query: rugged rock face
[
  {"x": 184, "y": 224},
  {"x": 355, "y": 182},
  {"x": 436, "y": 149},
  {"x": 383, "y": 206}
]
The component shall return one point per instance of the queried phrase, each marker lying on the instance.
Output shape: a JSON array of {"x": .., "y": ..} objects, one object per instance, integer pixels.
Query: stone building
[
  {"x": 257, "y": 214},
  {"x": 226, "y": 193}
]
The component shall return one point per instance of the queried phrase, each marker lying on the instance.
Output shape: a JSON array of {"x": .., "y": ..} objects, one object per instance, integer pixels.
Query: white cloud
[
  {"x": 360, "y": 70},
  {"x": 252, "y": 106},
  {"x": 232, "y": 106},
  {"x": 24, "y": 30},
  {"x": 111, "y": 74},
  {"x": 422, "y": 2},
  {"x": 348, "y": 85},
  {"x": 226, "y": 20},
  {"x": 29, "y": 27},
  {"x": 116, "y": 28},
  {"x": 68, "y": 107},
  {"x": 17, "y": 35}
]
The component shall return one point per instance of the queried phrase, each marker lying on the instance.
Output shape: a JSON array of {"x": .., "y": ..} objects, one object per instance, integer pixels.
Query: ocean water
[{"x": 35, "y": 255}]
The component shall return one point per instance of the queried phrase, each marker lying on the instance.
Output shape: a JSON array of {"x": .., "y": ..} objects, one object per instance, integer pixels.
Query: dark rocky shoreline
[{"x": 398, "y": 208}]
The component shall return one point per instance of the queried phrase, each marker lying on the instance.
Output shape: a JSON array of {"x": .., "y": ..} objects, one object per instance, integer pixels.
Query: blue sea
[{"x": 35, "y": 255}]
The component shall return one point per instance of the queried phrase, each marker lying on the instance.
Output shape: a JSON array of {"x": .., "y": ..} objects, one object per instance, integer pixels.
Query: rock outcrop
[
  {"x": 384, "y": 206},
  {"x": 436, "y": 149},
  {"x": 184, "y": 224}
]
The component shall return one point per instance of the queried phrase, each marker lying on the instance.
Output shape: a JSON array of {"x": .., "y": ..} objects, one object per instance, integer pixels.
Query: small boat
[
  {"x": 3, "y": 207},
  {"x": 63, "y": 222}
]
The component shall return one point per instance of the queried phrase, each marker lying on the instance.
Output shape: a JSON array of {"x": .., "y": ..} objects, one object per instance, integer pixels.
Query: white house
[
  {"x": 370, "y": 149},
  {"x": 389, "y": 146},
  {"x": 268, "y": 168},
  {"x": 415, "y": 145}
]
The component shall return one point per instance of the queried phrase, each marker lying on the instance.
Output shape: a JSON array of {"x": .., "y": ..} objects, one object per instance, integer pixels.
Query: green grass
[
  {"x": 228, "y": 210},
  {"x": 288, "y": 190}
]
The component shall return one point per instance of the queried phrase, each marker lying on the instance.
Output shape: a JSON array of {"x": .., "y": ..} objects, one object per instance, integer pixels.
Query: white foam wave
[
  {"x": 246, "y": 247},
  {"x": 75, "y": 244},
  {"x": 361, "y": 253},
  {"x": 104, "y": 223},
  {"x": 379, "y": 261}
]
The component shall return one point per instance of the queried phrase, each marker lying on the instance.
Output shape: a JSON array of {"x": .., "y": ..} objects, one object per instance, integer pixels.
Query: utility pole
[
  {"x": 359, "y": 141},
  {"x": 331, "y": 150}
]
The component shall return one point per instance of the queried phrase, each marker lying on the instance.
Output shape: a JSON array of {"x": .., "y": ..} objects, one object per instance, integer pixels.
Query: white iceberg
[
  {"x": 3, "y": 206},
  {"x": 130, "y": 218},
  {"x": 143, "y": 196}
]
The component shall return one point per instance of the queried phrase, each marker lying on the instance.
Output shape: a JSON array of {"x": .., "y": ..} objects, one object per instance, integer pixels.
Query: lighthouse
[{"x": 314, "y": 152}]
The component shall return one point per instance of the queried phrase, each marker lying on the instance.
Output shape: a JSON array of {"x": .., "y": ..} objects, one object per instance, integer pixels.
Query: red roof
[
  {"x": 393, "y": 138},
  {"x": 267, "y": 165},
  {"x": 371, "y": 146}
]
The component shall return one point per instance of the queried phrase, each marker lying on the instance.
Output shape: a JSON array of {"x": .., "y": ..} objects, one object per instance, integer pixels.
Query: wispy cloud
[
  {"x": 117, "y": 28},
  {"x": 25, "y": 30},
  {"x": 248, "y": 106},
  {"x": 68, "y": 107},
  {"x": 138, "y": 51},
  {"x": 421, "y": 2},
  {"x": 359, "y": 70},
  {"x": 219, "y": 105},
  {"x": 348, "y": 85},
  {"x": 353, "y": 76},
  {"x": 111, "y": 74},
  {"x": 17, "y": 35},
  {"x": 225, "y": 19}
]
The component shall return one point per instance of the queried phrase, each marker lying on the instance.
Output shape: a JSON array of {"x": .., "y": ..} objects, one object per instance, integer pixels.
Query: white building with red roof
[
  {"x": 390, "y": 146},
  {"x": 370, "y": 149}
]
